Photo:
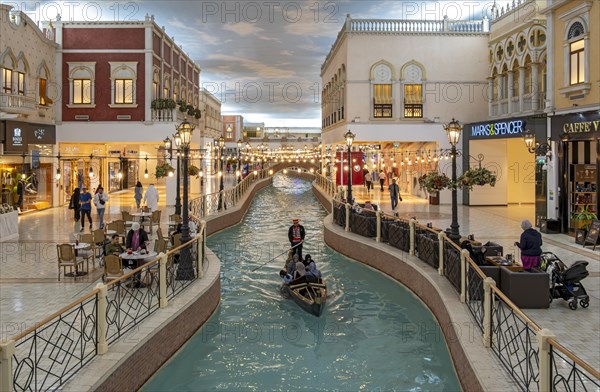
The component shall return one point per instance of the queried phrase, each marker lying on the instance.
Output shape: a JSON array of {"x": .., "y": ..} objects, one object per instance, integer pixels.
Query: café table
[
  {"x": 78, "y": 246},
  {"x": 500, "y": 261},
  {"x": 134, "y": 260},
  {"x": 141, "y": 215}
]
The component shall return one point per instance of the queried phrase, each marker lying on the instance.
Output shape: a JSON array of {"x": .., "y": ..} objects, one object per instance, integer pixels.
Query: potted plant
[
  {"x": 157, "y": 104},
  {"x": 190, "y": 110},
  {"x": 163, "y": 170},
  {"x": 476, "y": 177},
  {"x": 433, "y": 182},
  {"x": 170, "y": 104},
  {"x": 183, "y": 107},
  {"x": 197, "y": 113},
  {"x": 194, "y": 171},
  {"x": 583, "y": 218}
]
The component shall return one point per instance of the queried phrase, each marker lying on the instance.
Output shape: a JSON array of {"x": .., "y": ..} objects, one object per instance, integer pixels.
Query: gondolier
[{"x": 296, "y": 236}]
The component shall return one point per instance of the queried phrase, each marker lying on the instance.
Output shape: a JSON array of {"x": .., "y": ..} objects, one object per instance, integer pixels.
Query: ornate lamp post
[
  {"x": 169, "y": 148},
  {"x": 239, "y": 165},
  {"x": 454, "y": 129},
  {"x": 349, "y": 140},
  {"x": 186, "y": 266},
  {"x": 537, "y": 148},
  {"x": 221, "y": 186}
]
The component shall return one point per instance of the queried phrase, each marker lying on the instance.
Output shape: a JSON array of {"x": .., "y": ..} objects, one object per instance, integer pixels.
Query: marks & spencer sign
[{"x": 498, "y": 129}]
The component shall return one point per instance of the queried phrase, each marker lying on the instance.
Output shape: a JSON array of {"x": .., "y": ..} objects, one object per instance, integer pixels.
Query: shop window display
[{"x": 26, "y": 189}]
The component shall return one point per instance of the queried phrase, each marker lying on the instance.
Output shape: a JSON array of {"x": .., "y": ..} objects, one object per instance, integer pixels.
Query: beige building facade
[{"x": 395, "y": 83}]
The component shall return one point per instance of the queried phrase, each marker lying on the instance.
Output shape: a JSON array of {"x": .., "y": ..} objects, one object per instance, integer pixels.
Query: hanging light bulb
[
  {"x": 120, "y": 175},
  {"x": 91, "y": 172},
  {"x": 57, "y": 176},
  {"x": 146, "y": 173}
]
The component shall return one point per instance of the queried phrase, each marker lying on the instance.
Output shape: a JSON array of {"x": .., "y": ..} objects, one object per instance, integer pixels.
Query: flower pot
[{"x": 434, "y": 199}]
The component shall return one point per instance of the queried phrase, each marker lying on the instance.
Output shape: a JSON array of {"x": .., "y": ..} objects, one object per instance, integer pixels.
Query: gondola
[{"x": 310, "y": 294}]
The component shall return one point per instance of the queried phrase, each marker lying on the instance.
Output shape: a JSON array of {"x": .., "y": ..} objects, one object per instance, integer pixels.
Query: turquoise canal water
[{"x": 373, "y": 335}]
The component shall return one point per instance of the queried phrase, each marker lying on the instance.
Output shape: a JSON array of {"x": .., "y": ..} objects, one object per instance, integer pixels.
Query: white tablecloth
[{"x": 9, "y": 226}]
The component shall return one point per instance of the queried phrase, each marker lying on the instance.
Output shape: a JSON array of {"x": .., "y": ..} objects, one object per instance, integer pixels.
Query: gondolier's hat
[{"x": 295, "y": 220}]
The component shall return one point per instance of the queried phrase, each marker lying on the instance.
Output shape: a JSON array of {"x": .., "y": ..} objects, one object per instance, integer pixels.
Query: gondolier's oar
[{"x": 284, "y": 252}]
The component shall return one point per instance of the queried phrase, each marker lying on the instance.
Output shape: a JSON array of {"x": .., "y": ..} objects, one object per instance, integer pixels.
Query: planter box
[
  {"x": 399, "y": 236},
  {"x": 363, "y": 224},
  {"x": 427, "y": 247},
  {"x": 434, "y": 199}
]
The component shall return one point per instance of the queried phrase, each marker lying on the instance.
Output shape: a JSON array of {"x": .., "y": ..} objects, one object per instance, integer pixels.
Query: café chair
[
  {"x": 119, "y": 227},
  {"x": 66, "y": 258},
  {"x": 154, "y": 220},
  {"x": 113, "y": 268},
  {"x": 99, "y": 243},
  {"x": 174, "y": 220},
  {"x": 90, "y": 251},
  {"x": 128, "y": 219},
  {"x": 160, "y": 245}
]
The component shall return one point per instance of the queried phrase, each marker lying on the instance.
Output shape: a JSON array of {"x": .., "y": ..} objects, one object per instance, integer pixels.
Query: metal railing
[
  {"x": 47, "y": 355},
  {"x": 530, "y": 354}
]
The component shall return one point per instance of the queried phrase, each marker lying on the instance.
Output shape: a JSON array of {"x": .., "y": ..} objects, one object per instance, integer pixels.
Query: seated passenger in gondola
[
  {"x": 312, "y": 272},
  {"x": 287, "y": 274}
]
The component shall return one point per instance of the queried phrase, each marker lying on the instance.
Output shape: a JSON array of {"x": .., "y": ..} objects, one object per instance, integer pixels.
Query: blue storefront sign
[{"x": 497, "y": 129}]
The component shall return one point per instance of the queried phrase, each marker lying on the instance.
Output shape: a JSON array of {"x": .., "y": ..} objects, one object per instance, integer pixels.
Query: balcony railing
[
  {"x": 17, "y": 103},
  {"x": 500, "y": 107},
  {"x": 415, "y": 26},
  {"x": 173, "y": 115}
]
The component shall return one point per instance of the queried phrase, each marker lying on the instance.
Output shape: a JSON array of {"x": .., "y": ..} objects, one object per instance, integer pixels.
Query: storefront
[
  {"x": 521, "y": 178},
  {"x": 578, "y": 137},
  {"x": 26, "y": 166}
]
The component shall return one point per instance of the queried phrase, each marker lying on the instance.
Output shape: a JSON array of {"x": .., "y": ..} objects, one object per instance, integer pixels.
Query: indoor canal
[{"x": 374, "y": 334}]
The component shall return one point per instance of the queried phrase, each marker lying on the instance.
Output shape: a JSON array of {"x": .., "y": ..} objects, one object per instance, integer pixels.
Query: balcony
[
  {"x": 173, "y": 115},
  {"x": 500, "y": 107},
  {"x": 18, "y": 104}
]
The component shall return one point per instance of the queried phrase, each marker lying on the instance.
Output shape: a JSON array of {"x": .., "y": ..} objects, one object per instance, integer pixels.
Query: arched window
[
  {"x": 43, "y": 76},
  {"x": 81, "y": 84},
  {"x": 412, "y": 81},
  {"x": 123, "y": 76},
  {"x": 577, "y": 57},
  {"x": 8, "y": 63},
  {"x": 381, "y": 81},
  {"x": 21, "y": 75}
]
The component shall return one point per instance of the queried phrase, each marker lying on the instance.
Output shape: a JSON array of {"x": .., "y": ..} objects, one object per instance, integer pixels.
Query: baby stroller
[{"x": 565, "y": 282}]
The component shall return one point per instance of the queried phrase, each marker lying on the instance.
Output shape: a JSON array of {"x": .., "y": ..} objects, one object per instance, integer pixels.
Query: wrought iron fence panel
[
  {"x": 131, "y": 300},
  {"x": 228, "y": 199},
  {"x": 212, "y": 203},
  {"x": 567, "y": 375},
  {"x": 515, "y": 344},
  {"x": 399, "y": 236},
  {"x": 49, "y": 356},
  {"x": 475, "y": 294},
  {"x": 196, "y": 207},
  {"x": 427, "y": 247},
  {"x": 178, "y": 280},
  {"x": 452, "y": 265}
]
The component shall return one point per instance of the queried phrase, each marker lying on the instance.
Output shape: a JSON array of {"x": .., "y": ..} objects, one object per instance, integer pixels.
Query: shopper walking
[
  {"x": 74, "y": 204},
  {"x": 139, "y": 191},
  {"x": 151, "y": 198},
  {"x": 100, "y": 200},
  {"x": 382, "y": 179},
  {"x": 85, "y": 202},
  {"x": 394, "y": 193},
  {"x": 368, "y": 181}
]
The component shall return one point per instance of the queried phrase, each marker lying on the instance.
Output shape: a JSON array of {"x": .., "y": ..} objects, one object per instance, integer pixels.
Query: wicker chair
[
  {"x": 160, "y": 245},
  {"x": 66, "y": 258},
  {"x": 128, "y": 219},
  {"x": 154, "y": 220},
  {"x": 99, "y": 237},
  {"x": 113, "y": 268},
  {"x": 174, "y": 220},
  {"x": 89, "y": 252},
  {"x": 119, "y": 227}
]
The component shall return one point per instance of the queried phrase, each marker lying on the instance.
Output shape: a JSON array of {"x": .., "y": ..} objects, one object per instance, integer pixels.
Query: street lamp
[
  {"x": 186, "y": 266},
  {"x": 239, "y": 165},
  {"x": 537, "y": 148},
  {"x": 454, "y": 129},
  {"x": 221, "y": 186},
  {"x": 349, "y": 140},
  {"x": 169, "y": 147}
]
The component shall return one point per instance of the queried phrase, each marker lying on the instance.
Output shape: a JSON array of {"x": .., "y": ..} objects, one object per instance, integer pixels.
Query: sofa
[{"x": 528, "y": 290}]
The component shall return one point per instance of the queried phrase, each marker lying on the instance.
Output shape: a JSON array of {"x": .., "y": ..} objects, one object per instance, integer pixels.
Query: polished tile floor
[{"x": 30, "y": 291}]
